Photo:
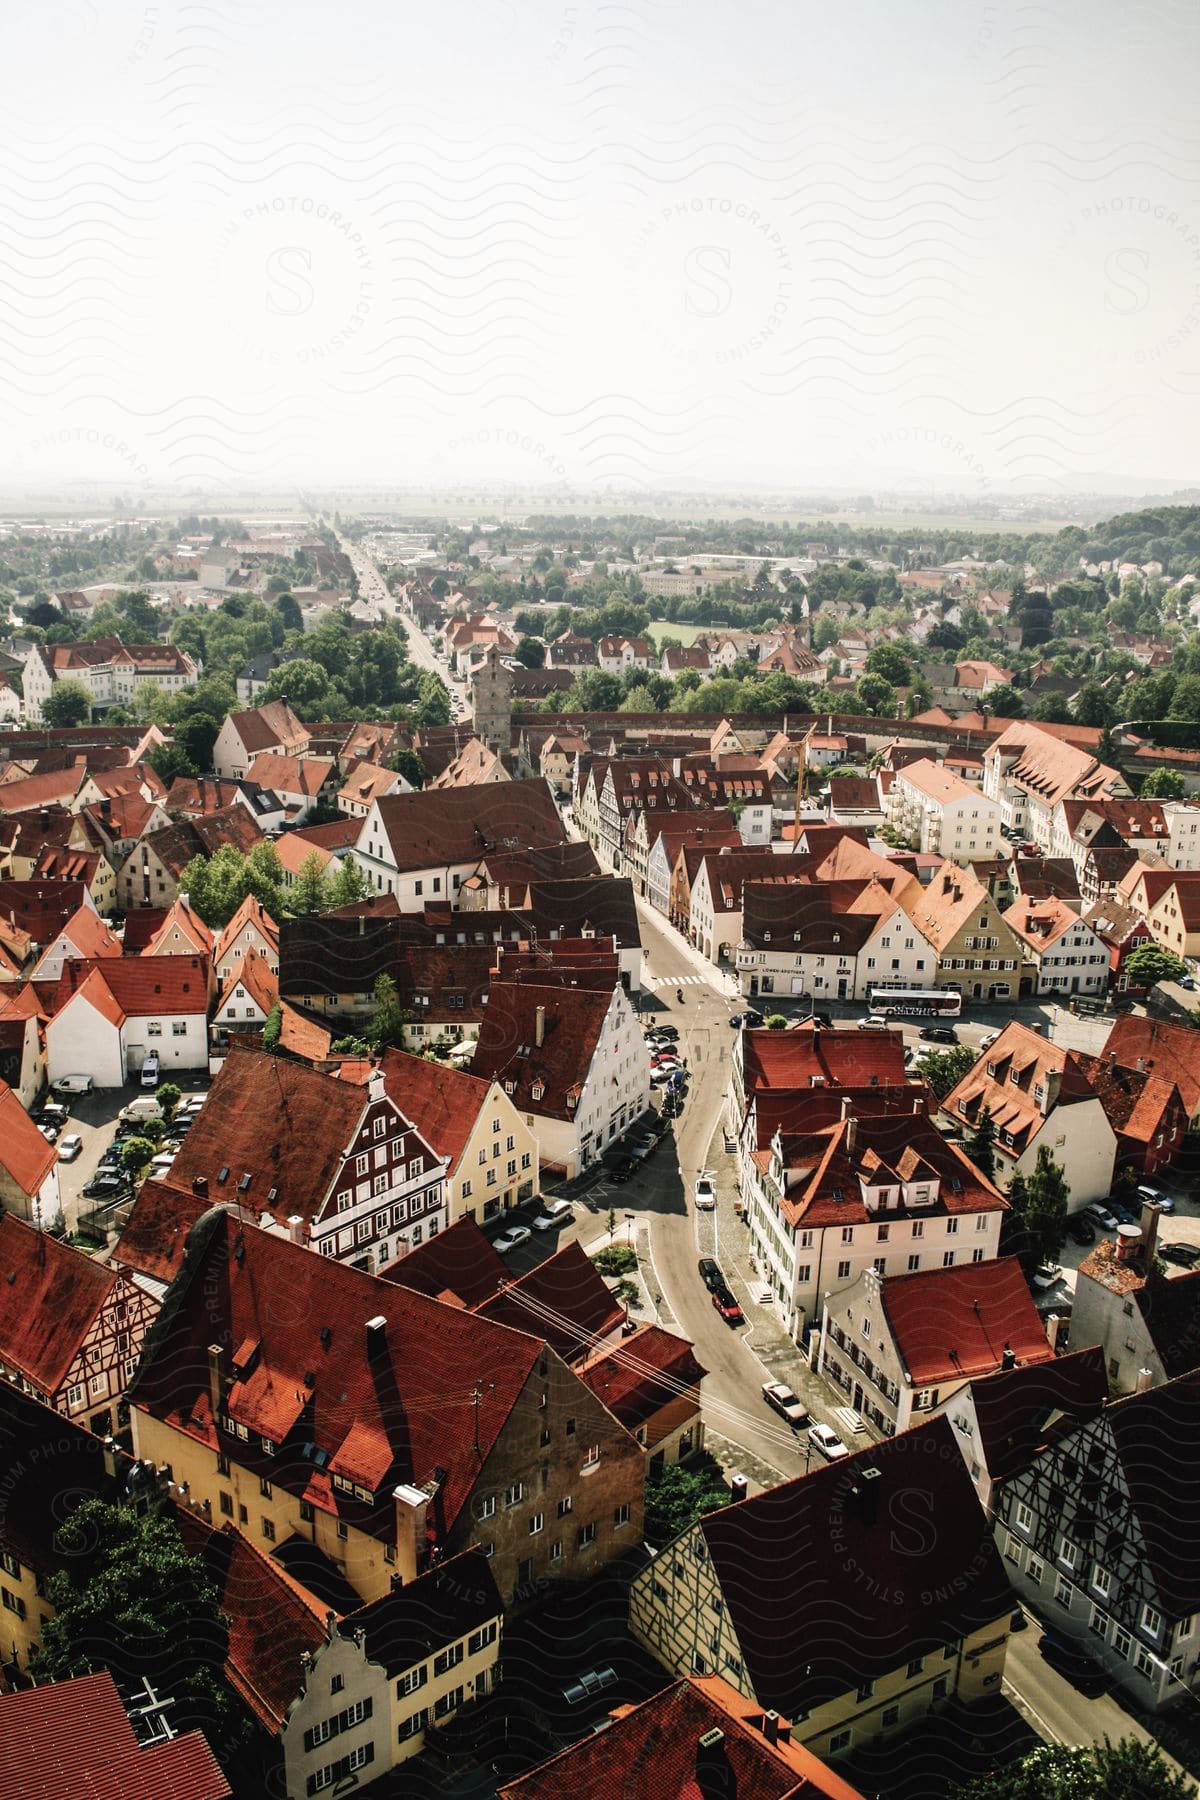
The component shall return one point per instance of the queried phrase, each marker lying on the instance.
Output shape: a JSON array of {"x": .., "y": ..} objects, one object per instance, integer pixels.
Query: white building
[
  {"x": 1069, "y": 956},
  {"x": 943, "y": 814}
]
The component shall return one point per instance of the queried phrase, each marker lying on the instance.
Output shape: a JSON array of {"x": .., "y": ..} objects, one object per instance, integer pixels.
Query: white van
[
  {"x": 150, "y": 1070},
  {"x": 144, "y": 1107}
]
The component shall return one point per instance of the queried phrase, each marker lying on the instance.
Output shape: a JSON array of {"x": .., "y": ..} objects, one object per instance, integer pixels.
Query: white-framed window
[
  {"x": 1024, "y": 1517},
  {"x": 1151, "y": 1620}
]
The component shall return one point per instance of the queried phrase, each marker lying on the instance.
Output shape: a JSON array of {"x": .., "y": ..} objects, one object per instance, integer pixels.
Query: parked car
[
  {"x": 710, "y": 1273},
  {"x": 1186, "y": 1255},
  {"x": 73, "y": 1084},
  {"x": 1077, "y": 1666},
  {"x": 1080, "y": 1230},
  {"x": 593, "y": 1682},
  {"x": 874, "y": 1022},
  {"x": 53, "y": 1112},
  {"x": 1047, "y": 1275},
  {"x": 1186, "y": 981},
  {"x": 1096, "y": 1209},
  {"x": 668, "y": 1033},
  {"x": 988, "y": 1039},
  {"x": 508, "y": 1240},
  {"x": 150, "y": 1070},
  {"x": 69, "y": 1147},
  {"x": 782, "y": 1400},
  {"x": 139, "y": 1110},
  {"x": 706, "y": 1193},
  {"x": 826, "y": 1441},
  {"x": 726, "y": 1304},
  {"x": 620, "y": 1170},
  {"x": 939, "y": 1034},
  {"x": 557, "y": 1212},
  {"x": 105, "y": 1186},
  {"x": 1147, "y": 1193},
  {"x": 49, "y": 1130}
]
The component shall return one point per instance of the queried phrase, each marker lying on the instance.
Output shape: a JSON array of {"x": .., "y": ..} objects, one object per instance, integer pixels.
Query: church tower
[{"x": 491, "y": 702}]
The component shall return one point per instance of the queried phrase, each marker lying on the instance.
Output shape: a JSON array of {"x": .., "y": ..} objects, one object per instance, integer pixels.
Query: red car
[{"x": 727, "y": 1306}]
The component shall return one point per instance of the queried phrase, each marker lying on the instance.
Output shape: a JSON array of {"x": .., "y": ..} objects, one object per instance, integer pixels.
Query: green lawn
[{"x": 658, "y": 629}]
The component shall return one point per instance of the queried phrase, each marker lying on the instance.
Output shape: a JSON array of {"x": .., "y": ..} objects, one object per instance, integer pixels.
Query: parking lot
[{"x": 94, "y": 1118}]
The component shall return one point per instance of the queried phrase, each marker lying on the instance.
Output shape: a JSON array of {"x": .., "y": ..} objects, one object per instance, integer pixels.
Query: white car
[
  {"x": 558, "y": 1212},
  {"x": 825, "y": 1439},
  {"x": 781, "y": 1398},
  {"x": 69, "y": 1147},
  {"x": 988, "y": 1039},
  {"x": 706, "y": 1193},
  {"x": 516, "y": 1234}
]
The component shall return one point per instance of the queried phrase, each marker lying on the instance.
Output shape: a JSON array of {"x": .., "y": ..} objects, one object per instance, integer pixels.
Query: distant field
[{"x": 658, "y": 629}]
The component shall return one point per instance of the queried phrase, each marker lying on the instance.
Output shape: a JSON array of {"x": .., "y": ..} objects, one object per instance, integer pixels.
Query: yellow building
[
  {"x": 492, "y": 1153},
  {"x": 852, "y": 1601}
]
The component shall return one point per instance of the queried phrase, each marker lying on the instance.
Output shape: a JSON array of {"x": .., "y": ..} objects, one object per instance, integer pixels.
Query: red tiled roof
[
  {"x": 458, "y": 1266},
  {"x": 781, "y": 1560},
  {"x": 41, "y": 908},
  {"x": 1169, "y": 1051},
  {"x": 573, "y": 1021},
  {"x": 654, "y": 1752},
  {"x": 457, "y": 825},
  {"x": 304, "y": 775},
  {"x": 250, "y": 912},
  {"x": 645, "y": 1373},
  {"x": 256, "y": 981},
  {"x": 155, "y": 1234},
  {"x": 791, "y": 1059},
  {"x": 273, "y": 1620},
  {"x": 61, "y": 1291},
  {"x": 141, "y": 986},
  {"x": 444, "y": 1101},
  {"x": 24, "y": 1152},
  {"x": 301, "y": 1036},
  {"x": 1016, "y": 1409},
  {"x": 565, "y": 1300},
  {"x": 951, "y": 1323},
  {"x": 268, "y": 726},
  {"x": 71, "y": 1740},
  {"x": 397, "y": 1414}
]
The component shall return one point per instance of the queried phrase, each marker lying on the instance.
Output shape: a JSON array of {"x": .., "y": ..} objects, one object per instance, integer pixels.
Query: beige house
[
  {"x": 977, "y": 951},
  {"x": 931, "y": 1625},
  {"x": 491, "y": 1152}
]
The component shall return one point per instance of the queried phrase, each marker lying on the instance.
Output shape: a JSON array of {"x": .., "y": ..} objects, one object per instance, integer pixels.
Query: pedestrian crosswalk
[{"x": 675, "y": 981}]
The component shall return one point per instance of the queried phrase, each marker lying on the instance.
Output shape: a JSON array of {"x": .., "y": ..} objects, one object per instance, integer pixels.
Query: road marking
[
  {"x": 670, "y": 981},
  {"x": 1051, "y": 1735}
]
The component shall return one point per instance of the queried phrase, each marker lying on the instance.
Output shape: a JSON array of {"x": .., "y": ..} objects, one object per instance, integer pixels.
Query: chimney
[
  {"x": 376, "y": 1336},
  {"x": 375, "y": 1088},
  {"x": 200, "y": 1186},
  {"x": 412, "y": 1542},
  {"x": 216, "y": 1377},
  {"x": 296, "y": 1229},
  {"x": 851, "y": 1135},
  {"x": 1054, "y": 1327},
  {"x": 1129, "y": 1242},
  {"x": 539, "y": 1029},
  {"x": 771, "y": 1726},
  {"x": 1141, "y": 1065},
  {"x": 1009, "y": 1359},
  {"x": 1144, "y": 1382},
  {"x": 1151, "y": 1213},
  {"x": 1052, "y": 1082},
  {"x": 45, "y": 818}
]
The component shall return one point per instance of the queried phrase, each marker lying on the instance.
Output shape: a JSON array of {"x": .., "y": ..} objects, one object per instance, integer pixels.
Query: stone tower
[{"x": 491, "y": 702}]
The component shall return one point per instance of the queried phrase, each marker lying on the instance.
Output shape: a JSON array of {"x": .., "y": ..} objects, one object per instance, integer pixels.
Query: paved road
[
  {"x": 373, "y": 587},
  {"x": 1057, "y": 1711}
]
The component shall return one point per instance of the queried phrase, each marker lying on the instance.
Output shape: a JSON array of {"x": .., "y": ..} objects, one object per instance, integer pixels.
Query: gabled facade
[
  {"x": 74, "y": 1341},
  {"x": 491, "y": 1154},
  {"x": 842, "y": 1674},
  {"x": 1099, "y": 1533},
  {"x": 324, "y": 1418},
  {"x": 1068, "y": 956},
  {"x": 245, "y": 735}
]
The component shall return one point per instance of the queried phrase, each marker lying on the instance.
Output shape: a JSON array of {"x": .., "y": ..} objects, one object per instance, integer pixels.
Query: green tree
[
  {"x": 1150, "y": 963},
  {"x": 639, "y": 699},
  {"x": 1185, "y": 702},
  {"x": 135, "y": 1154},
  {"x": 131, "y": 1600},
  {"x": 875, "y": 695},
  {"x": 1038, "y": 1210},
  {"x": 272, "y": 1027},
  {"x": 312, "y": 887},
  {"x": 891, "y": 663},
  {"x": 777, "y": 1022},
  {"x": 675, "y": 1498},
  {"x": 168, "y": 1096},
  {"x": 407, "y": 763},
  {"x": 170, "y": 761},
  {"x": 386, "y": 1027},
  {"x": 1128, "y": 1770},
  {"x": 349, "y": 885},
  {"x": 944, "y": 1069},
  {"x": 287, "y": 609},
  {"x": 1163, "y": 784},
  {"x": 302, "y": 682},
  {"x": 1093, "y": 706},
  {"x": 1005, "y": 702},
  {"x": 531, "y": 652},
  {"x": 68, "y": 703},
  {"x": 981, "y": 1145}
]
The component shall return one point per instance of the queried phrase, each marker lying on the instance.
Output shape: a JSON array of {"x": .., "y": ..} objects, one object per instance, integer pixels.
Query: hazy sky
[{"x": 954, "y": 246}]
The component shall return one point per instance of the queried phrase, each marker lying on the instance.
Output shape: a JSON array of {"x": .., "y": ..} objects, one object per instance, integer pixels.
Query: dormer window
[{"x": 537, "y": 1090}]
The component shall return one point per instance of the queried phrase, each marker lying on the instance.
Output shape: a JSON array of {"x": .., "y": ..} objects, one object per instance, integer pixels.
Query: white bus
[{"x": 916, "y": 1003}]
